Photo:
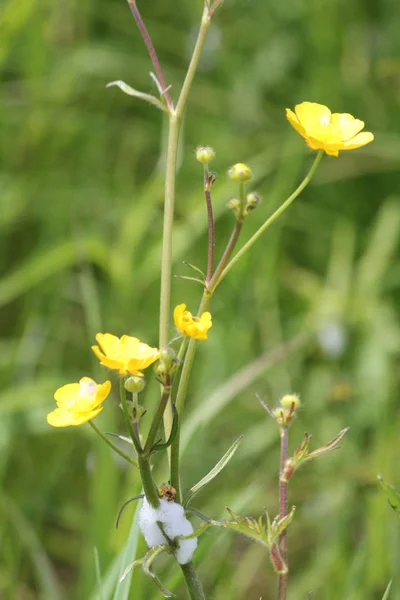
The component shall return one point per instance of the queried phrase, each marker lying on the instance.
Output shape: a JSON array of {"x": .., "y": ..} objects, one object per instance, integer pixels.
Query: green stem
[
  {"x": 180, "y": 400},
  {"x": 158, "y": 417},
  {"x": 128, "y": 421},
  {"x": 193, "y": 582},
  {"x": 273, "y": 217},
  {"x": 175, "y": 117},
  {"x": 149, "y": 487},
  {"x": 113, "y": 446},
  {"x": 166, "y": 257},
  {"x": 205, "y": 23}
]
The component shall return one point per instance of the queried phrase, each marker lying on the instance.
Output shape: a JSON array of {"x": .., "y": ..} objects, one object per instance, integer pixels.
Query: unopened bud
[
  {"x": 167, "y": 363},
  {"x": 134, "y": 384},
  {"x": 205, "y": 154},
  {"x": 290, "y": 400},
  {"x": 240, "y": 172},
  {"x": 282, "y": 415},
  {"x": 252, "y": 200}
]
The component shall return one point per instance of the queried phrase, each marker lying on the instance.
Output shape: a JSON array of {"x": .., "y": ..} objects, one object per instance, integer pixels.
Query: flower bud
[
  {"x": 282, "y": 415},
  {"x": 205, "y": 154},
  {"x": 252, "y": 200},
  {"x": 134, "y": 384},
  {"x": 289, "y": 400},
  {"x": 167, "y": 363},
  {"x": 233, "y": 203},
  {"x": 240, "y": 172}
]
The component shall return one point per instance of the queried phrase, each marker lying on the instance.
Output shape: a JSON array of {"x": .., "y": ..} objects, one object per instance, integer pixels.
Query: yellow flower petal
[
  {"x": 359, "y": 140},
  {"x": 293, "y": 120},
  {"x": 64, "y": 394},
  {"x": 64, "y": 418},
  {"x": 346, "y": 125},
  {"x": 311, "y": 114}
]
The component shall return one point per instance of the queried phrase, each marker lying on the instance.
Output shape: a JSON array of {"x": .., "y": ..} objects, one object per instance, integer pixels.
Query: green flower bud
[
  {"x": 240, "y": 172},
  {"x": 252, "y": 200},
  {"x": 205, "y": 154},
  {"x": 134, "y": 384},
  {"x": 289, "y": 400}
]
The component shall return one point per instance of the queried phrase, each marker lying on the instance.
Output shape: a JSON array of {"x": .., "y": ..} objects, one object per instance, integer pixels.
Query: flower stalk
[{"x": 283, "y": 511}]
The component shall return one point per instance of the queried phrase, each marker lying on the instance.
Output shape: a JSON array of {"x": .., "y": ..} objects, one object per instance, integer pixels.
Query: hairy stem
[
  {"x": 273, "y": 217},
  {"x": 283, "y": 510},
  {"x": 193, "y": 582}
]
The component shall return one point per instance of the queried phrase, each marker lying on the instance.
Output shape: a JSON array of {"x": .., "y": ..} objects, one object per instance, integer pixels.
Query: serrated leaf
[
  {"x": 283, "y": 524},
  {"x": 214, "y": 471},
  {"x": 386, "y": 594},
  {"x": 392, "y": 494}
]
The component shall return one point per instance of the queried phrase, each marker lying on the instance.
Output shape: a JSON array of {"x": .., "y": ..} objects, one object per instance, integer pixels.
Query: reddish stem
[
  {"x": 283, "y": 511},
  {"x": 152, "y": 52}
]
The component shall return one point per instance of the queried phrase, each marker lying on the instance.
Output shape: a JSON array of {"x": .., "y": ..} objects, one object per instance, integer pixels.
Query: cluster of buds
[
  {"x": 284, "y": 413},
  {"x": 241, "y": 173},
  {"x": 167, "y": 364}
]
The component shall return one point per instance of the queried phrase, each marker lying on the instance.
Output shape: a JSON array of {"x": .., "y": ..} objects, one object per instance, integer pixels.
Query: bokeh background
[{"x": 313, "y": 308}]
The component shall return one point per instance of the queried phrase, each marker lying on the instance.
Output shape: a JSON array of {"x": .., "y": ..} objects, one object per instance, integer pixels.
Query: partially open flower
[
  {"x": 126, "y": 354},
  {"x": 187, "y": 324},
  {"x": 323, "y": 130},
  {"x": 78, "y": 402}
]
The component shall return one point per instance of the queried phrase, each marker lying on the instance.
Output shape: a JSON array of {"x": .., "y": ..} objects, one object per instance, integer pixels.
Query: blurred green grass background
[{"x": 81, "y": 214}]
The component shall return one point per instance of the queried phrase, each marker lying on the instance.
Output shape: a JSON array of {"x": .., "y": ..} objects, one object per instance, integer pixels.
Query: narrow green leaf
[
  {"x": 122, "y": 588},
  {"x": 123, "y": 438},
  {"x": 172, "y": 435},
  {"x": 386, "y": 594},
  {"x": 147, "y": 562},
  {"x": 130, "y": 568},
  {"x": 127, "y": 89},
  {"x": 331, "y": 445},
  {"x": 392, "y": 494},
  {"x": 214, "y": 471}
]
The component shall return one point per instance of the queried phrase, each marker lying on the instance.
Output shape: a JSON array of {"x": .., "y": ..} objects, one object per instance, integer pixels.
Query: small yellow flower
[
  {"x": 127, "y": 354},
  {"x": 78, "y": 402},
  {"x": 187, "y": 324},
  {"x": 323, "y": 130}
]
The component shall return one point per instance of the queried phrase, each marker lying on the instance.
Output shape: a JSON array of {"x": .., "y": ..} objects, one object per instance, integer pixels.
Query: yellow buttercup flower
[
  {"x": 323, "y": 130},
  {"x": 187, "y": 324},
  {"x": 78, "y": 402},
  {"x": 127, "y": 354}
]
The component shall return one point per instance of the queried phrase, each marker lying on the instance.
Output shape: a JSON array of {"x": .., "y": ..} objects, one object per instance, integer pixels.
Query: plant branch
[
  {"x": 207, "y": 193},
  {"x": 113, "y": 446},
  {"x": 152, "y": 53},
  {"x": 273, "y": 217},
  {"x": 158, "y": 417},
  {"x": 183, "y": 96}
]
